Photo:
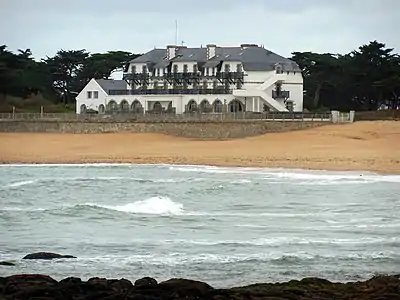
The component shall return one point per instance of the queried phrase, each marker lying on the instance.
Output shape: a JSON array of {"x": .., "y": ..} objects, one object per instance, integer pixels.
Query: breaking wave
[{"x": 154, "y": 205}]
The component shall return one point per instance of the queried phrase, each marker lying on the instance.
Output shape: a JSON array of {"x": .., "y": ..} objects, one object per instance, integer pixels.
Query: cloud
[{"x": 282, "y": 26}]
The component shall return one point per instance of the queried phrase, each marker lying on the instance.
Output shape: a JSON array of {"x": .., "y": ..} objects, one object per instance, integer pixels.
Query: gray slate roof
[
  {"x": 252, "y": 58},
  {"x": 111, "y": 84}
]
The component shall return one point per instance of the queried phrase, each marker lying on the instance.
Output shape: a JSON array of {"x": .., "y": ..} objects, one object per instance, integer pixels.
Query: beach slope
[{"x": 369, "y": 146}]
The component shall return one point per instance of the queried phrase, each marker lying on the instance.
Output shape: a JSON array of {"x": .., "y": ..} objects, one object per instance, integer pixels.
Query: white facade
[
  {"x": 255, "y": 91},
  {"x": 92, "y": 97}
]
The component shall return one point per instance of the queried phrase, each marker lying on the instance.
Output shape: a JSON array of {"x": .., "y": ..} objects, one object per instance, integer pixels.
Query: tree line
[{"x": 367, "y": 78}]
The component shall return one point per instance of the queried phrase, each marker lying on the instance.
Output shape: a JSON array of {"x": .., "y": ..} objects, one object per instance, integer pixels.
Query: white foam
[
  {"x": 184, "y": 258},
  {"x": 20, "y": 183},
  {"x": 268, "y": 173},
  {"x": 241, "y": 181},
  {"x": 154, "y": 205},
  {"x": 321, "y": 177},
  {"x": 279, "y": 241}
]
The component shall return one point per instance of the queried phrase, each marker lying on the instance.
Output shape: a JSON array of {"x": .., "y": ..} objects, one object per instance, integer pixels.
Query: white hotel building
[{"x": 209, "y": 79}]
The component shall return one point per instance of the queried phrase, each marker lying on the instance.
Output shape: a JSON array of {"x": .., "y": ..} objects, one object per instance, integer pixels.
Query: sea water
[{"x": 225, "y": 226}]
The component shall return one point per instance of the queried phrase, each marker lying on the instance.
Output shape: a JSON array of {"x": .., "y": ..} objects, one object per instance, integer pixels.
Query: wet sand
[{"x": 368, "y": 146}]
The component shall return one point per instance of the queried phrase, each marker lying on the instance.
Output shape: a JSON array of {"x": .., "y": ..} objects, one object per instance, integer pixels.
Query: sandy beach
[{"x": 368, "y": 146}]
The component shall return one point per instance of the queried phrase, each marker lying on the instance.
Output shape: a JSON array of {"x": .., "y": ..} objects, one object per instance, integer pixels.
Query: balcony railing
[
  {"x": 281, "y": 94},
  {"x": 136, "y": 76},
  {"x": 184, "y": 75},
  {"x": 230, "y": 75},
  {"x": 170, "y": 92}
]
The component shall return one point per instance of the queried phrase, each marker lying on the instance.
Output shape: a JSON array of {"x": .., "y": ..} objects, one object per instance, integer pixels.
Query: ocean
[{"x": 225, "y": 226}]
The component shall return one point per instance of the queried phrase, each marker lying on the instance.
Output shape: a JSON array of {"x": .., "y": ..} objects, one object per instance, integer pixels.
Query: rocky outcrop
[
  {"x": 44, "y": 287},
  {"x": 46, "y": 255}
]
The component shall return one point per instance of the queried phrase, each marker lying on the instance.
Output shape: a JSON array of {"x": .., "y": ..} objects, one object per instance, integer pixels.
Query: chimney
[
  {"x": 171, "y": 51},
  {"x": 244, "y": 46},
  {"x": 211, "y": 48}
]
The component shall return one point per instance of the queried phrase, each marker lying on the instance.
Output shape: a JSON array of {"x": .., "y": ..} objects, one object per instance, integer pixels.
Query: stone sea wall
[{"x": 192, "y": 129}]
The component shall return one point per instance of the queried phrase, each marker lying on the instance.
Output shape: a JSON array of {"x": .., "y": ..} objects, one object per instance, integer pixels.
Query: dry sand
[{"x": 369, "y": 146}]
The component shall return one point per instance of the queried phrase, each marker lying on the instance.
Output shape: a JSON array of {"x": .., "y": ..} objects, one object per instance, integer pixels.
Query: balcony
[
  {"x": 187, "y": 75},
  {"x": 136, "y": 76},
  {"x": 230, "y": 75},
  {"x": 170, "y": 92},
  {"x": 280, "y": 94}
]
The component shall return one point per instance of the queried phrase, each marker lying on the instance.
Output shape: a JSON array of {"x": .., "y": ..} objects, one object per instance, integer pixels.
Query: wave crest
[{"x": 155, "y": 206}]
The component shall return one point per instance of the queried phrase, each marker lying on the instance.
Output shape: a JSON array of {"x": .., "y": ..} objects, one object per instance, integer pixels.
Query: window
[
  {"x": 95, "y": 94},
  {"x": 133, "y": 69},
  {"x": 278, "y": 69},
  {"x": 215, "y": 84},
  {"x": 144, "y": 69},
  {"x": 185, "y": 68},
  {"x": 208, "y": 71},
  {"x": 175, "y": 68},
  {"x": 89, "y": 95},
  {"x": 158, "y": 71}
]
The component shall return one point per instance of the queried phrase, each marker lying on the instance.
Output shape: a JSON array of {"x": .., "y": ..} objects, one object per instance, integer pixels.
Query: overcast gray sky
[{"x": 283, "y": 26}]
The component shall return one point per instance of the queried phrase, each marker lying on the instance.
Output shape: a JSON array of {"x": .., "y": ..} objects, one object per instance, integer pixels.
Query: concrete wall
[{"x": 197, "y": 130}]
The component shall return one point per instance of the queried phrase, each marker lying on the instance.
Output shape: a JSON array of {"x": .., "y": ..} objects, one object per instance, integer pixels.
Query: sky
[{"x": 282, "y": 26}]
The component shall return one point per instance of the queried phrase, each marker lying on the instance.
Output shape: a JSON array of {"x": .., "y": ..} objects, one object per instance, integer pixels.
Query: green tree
[{"x": 64, "y": 67}]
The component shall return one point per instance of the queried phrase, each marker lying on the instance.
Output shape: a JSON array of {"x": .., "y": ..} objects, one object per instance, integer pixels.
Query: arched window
[
  {"x": 157, "y": 107},
  {"x": 217, "y": 106},
  {"x": 112, "y": 106},
  {"x": 83, "y": 109},
  {"x": 235, "y": 106},
  {"x": 205, "y": 106},
  {"x": 124, "y": 106},
  {"x": 191, "y": 106},
  {"x": 102, "y": 109},
  {"x": 136, "y": 107}
]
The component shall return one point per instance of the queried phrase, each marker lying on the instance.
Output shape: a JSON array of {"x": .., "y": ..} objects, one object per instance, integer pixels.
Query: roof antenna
[{"x": 176, "y": 32}]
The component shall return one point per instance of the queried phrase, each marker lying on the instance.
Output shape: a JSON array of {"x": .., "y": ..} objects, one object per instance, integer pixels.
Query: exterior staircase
[{"x": 260, "y": 91}]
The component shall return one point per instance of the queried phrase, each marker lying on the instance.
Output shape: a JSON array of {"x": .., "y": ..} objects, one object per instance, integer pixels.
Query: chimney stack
[
  {"x": 171, "y": 51},
  {"x": 211, "y": 49}
]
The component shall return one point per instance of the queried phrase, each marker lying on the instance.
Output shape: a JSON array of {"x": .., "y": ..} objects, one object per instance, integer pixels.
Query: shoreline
[
  {"x": 360, "y": 147},
  {"x": 26, "y": 286},
  {"x": 272, "y": 168}
]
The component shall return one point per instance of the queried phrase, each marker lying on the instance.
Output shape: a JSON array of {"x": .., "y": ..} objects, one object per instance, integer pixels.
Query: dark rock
[
  {"x": 145, "y": 281},
  {"x": 71, "y": 280},
  {"x": 183, "y": 287},
  {"x": 46, "y": 255},
  {"x": 6, "y": 263},
  {"x": 41, "y": 287},
  {"x": 120, "y": 285}
]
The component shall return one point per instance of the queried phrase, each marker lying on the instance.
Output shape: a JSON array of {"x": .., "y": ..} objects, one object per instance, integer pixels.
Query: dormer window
[
  {"x": 278, "y": 69},
  {"x": 158, "y": 71},
  {"x": 133, "y": 69},
  {"x": 175, "y": 68},
  {"x": 144, "y": 69}
]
